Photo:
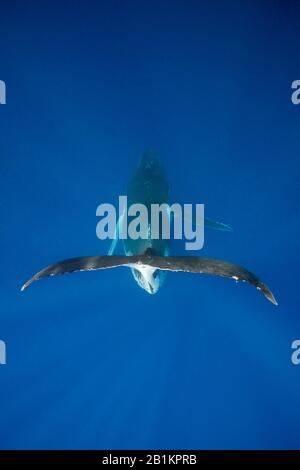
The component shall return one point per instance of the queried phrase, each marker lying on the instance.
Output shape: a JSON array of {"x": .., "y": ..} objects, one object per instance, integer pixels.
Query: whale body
[{"x": 149, "y": 258}]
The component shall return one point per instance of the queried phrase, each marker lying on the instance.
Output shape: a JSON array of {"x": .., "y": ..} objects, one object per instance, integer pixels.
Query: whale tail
[{"x": 192, "y": 264}]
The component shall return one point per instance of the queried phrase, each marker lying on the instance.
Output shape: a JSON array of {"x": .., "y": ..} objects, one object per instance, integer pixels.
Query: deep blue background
[{"x": 92, "y": 360}]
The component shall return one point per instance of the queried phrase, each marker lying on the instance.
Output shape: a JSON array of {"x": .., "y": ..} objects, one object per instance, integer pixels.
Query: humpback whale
[{"x": 149, "y": 258}]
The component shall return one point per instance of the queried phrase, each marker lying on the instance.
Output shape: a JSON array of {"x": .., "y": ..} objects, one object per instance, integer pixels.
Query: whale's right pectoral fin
[
  {"x": 217, "y": 225},
  {"x": 208, "y": 223}
]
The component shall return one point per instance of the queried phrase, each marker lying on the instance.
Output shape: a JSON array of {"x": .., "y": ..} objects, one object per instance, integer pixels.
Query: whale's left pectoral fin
[{"x": 116, "y": 236}]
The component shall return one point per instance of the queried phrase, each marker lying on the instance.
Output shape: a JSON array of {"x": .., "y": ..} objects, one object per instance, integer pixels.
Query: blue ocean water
[{"x": 92, "y": 360}]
